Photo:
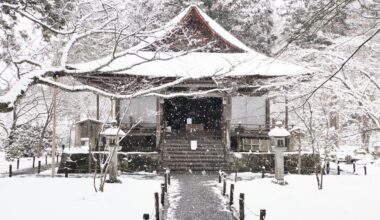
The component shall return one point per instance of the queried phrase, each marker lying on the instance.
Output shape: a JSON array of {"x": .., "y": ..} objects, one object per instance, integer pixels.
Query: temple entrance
[{"x": 184, "y": 114}]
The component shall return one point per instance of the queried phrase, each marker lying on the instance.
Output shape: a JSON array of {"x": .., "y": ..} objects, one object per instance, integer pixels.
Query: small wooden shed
[{"x": 87, "y": 133}]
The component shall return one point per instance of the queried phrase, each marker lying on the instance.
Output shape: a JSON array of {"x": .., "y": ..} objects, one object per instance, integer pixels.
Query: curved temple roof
[{"x": 141, "y": 61}]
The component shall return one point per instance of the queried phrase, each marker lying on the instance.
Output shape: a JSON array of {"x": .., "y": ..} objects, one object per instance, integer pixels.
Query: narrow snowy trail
[{"x": 198, "y": 201}]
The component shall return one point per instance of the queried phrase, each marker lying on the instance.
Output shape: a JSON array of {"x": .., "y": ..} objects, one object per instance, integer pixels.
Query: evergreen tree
[{"x": 25, "y": 141}]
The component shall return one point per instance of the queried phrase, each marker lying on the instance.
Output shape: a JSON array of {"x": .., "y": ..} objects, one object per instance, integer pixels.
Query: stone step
[
  {"x": 189, "y": 144},
  {"x": 188, "y": 148},
  {"x": 175, "y": 155},
  {"x": 212, "y": 161},
  {"x": 197, "y": 167}
]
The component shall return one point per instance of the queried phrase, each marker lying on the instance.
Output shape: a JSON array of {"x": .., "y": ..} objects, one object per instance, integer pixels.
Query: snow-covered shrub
[{"x": 25, "y": 141}]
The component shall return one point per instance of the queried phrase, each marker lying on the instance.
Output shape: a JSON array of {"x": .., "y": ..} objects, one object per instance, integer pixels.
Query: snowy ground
[
  {"x": 348, "y": 196},
  {"x": 30, "y": 197},
  {"x": 25, "y": 163}
]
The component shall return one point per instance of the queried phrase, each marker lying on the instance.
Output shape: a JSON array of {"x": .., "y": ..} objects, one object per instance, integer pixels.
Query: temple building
[{"x": 201, "y": 93}]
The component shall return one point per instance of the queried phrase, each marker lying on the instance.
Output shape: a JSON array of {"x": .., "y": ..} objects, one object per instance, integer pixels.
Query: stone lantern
[
  {"x": 278, "y": 136},
  {"x": 113, "y": 135}
]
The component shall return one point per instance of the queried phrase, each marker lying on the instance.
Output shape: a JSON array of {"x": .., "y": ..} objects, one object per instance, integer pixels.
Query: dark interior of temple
[{"x": 206, "y": 112}]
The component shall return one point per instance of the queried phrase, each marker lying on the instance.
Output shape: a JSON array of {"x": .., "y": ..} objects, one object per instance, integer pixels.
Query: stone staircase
[{"x": 209, "y": 155}]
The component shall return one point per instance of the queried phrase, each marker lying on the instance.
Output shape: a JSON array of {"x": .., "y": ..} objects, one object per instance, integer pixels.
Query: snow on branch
[{"x": 21, "y": 10}]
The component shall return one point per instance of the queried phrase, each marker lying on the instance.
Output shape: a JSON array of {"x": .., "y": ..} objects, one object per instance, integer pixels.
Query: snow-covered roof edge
[
  {"x": 89, "y": 119},
  {"x": 213, "y": 25}
]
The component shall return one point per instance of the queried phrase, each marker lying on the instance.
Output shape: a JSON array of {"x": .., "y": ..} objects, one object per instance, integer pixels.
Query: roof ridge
[{"x": 212, "y": 24}]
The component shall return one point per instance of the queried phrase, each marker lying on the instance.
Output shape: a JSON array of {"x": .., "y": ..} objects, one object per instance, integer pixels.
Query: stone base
[
  {"x": 280, "y": 182},
  {"x": 113, "y": 181}
]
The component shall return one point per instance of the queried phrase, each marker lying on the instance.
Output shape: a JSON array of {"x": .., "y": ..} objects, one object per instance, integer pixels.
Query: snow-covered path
[{"x": 198, "y": 200}]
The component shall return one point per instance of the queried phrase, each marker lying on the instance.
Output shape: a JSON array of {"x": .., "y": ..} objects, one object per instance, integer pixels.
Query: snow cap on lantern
[
  {"x": 278, "y": 135},
  {"x": 111, "y": 134}
]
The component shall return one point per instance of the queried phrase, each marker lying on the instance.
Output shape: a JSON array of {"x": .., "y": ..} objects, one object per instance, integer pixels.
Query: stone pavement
[{"x": 198, "y": 201}]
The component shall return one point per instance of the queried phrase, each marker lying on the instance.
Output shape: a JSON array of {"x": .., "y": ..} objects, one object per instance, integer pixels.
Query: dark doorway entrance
[{"x": 206, "y": 112}]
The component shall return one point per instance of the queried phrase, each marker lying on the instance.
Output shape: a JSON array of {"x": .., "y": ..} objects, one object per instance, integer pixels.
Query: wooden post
[
  {"x": 39, "y": 167},
  {"x": 262, "y": 172},
  {"x": 232, "y": 188},
  {"x": 286, "y": 112},
  {"x": 169, "y": 179},
  {"x": 66, "y": 172},
  {"x": 146, "y": 216},
  {"x": 328, "y": 167},
  {"x": 46, "y": 160},
  {"x": 166, "y": 183},
  {"x": 157, "y": 206},
  {"x": 54, "y": 131},
  {"x": 241, "y": 206},
  {"x": 10, "y": 170},
  {"x": 18, "y": 163},
  {"x": 353, "y": 167},
  {"x": 97, "y": 108},
  {"x": 224, "y": 187},
  {"x": 57, "y": 159},
  {"x": 34, "y": 161},
  {"x": 235, "y": 175},
  {"x": 365, "y": 170},
  {"x": 162, "y": 194},
  {"x": 267, "y": 114},
  {"x": 263, "y": 214},
  {"x": 220, "y": 178},
  {"x": 338, "y": 170}
]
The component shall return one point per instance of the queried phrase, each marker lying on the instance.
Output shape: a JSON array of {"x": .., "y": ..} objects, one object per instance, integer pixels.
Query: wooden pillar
[
  {"x": 159, "y": 120},
  {"x": 286, "y": 112},
  {"x": 117, "y": 111},
  {"x": 97, "y": 108},
  {"x": 227, "y": 121},
  {"x": 267, "y": 113}
]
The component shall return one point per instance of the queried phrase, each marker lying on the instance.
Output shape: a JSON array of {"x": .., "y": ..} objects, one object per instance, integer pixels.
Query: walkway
[{"x": 198, "y": 201}]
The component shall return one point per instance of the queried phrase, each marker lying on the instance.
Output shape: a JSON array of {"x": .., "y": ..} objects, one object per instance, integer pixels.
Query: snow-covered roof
[
  {"x": 176, "y": 21},
  {"x": 89, "y": 119},
  {"x": 138, "y": 61},
  {"x": 197, "y": 65},
  {"x": 113, "y": 132}
]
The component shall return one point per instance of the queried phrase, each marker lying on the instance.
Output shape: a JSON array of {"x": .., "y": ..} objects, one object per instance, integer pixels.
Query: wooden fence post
[
  {"x": 232, "y": 188},
  {"x": 157, "y": 205},
  {"x": 365, "y": 170},
  {"x": 166, "y": 183},
  {"x": 18, "y": 163},
  {"x": 338, "y": 169},
  {"x": 263, "y": 214},
  {"x": 46, "y": 160},
  {"x": 220, "y": 178},
  {"x": 354, "y": 167},
  {"x": 66, "y": 172},
  {"x": 10, "y": 170},
  {"x": 262, "y": 172},
  {"x": 34, "y": 160},
  {"x": 224, "y": 187},
  {"x": 169, "y": 179},
  {"x": 162, "y": 195},
  {"x": 57, "y": 158},
  {"x": 146, "y": 216},
  {"x": 39, "y": 167},
  {"x": 241, "y": 206},
  {"x": 328, "y": 167}
]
